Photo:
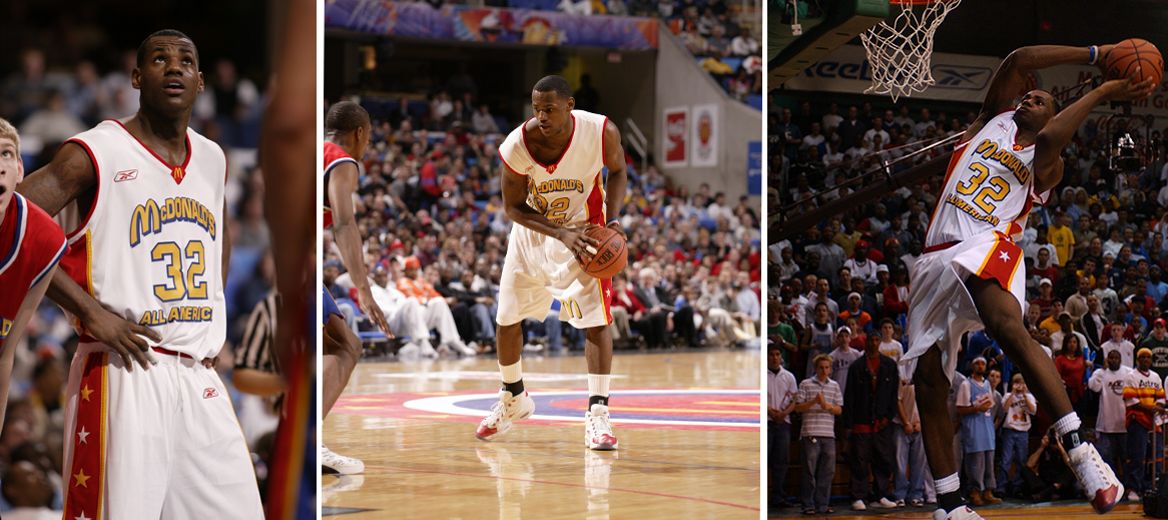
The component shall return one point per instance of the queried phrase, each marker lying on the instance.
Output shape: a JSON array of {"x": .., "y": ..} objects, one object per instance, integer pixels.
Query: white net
[{"x": 900, "y": 53}]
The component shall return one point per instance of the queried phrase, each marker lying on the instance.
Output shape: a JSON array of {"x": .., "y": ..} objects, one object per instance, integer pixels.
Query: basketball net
[{"x": 900, "y": 53}]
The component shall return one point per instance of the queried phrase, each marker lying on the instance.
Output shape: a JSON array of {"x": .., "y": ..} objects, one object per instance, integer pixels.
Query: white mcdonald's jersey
[
  {"x": 988, "y": 186},
  {"x": 571, "y": 189},
  {"x": 151, "y": 246}
]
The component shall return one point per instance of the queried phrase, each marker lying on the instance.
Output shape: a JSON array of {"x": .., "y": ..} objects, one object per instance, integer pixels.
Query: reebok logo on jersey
[
  {"x": 209, "y": 393},
  {"x": 126, "y": 175}
]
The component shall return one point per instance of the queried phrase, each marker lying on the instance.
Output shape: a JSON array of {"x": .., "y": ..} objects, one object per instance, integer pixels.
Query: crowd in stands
[
  {"x": 430, "y": 210},
  {"x": 48, "y": 103},
  {"x": 1095, "y": 255}
]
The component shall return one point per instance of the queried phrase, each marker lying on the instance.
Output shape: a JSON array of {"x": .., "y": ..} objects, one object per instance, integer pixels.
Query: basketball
[
  {"x": 611, "y": 254},
  {"x": 1134, "y": 58}
]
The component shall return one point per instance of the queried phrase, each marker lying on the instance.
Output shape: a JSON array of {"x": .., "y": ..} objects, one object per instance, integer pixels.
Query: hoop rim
[{"x": 914, "y": 2}]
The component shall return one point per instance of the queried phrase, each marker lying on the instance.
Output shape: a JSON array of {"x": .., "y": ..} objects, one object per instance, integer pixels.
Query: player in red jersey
[
  {"x": 31, "y": 244},
  {"x": 347, "y": 130}
]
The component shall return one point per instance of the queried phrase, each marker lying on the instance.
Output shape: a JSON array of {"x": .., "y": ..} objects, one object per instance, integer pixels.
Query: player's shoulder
[
  {"x": 103, "y": 130},
  {"x": 513, "y": 143},
  {"x": 590, "y": 118},
  {"x": 199, "y": 140}
]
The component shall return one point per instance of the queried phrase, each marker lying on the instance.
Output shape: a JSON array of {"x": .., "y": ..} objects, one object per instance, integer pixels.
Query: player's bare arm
[
  {"x": 618, "y": 176},
  {"x": 1057, "y": 133},
  {"x": 70, "y": 176},
  {"x": 520, "y": 212},
  {"x": 16, "y": 335},
  {"x": 257, "y": 382},
  {"x": 341, "y": 187}
]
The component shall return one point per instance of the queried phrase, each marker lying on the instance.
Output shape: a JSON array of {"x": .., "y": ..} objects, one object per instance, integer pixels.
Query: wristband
[
  {"x": 613, "y": 221},
  {"x": 1094, "y": 50}
]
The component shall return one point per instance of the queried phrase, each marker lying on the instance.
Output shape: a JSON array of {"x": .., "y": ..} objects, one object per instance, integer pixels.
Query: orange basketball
[
  {"x": 611, "y": 254},
  {"x": 1134, "y": 58}
]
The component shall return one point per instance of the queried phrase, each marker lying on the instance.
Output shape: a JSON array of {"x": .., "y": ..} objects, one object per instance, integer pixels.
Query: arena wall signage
[{"x": 491, "y": 25}]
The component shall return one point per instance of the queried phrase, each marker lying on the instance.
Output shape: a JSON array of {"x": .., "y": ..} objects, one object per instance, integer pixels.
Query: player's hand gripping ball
[{"x": 610, "y": 257}]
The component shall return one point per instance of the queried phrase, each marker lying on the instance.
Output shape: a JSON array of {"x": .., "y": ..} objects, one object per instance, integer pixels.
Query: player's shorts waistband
[
  {"x": 206, "y": 362},
  {"x": 940, "y": 247},
  {"x": 168, "y": 355}
]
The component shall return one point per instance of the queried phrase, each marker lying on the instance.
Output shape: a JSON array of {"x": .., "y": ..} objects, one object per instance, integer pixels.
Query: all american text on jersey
[
  {"x": 149, "y": 217},
  {"x": 185, "y": 313}
]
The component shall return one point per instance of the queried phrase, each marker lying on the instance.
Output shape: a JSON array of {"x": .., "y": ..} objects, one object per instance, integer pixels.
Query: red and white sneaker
[
  {"x": 598, "y": 430},
  {"x": 509, "y": 408},
  {"x": 1096, "y": 477}
]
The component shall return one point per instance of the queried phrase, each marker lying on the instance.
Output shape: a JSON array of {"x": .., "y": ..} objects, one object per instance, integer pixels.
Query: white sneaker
[
  {"x": 859, "y": 505},
  {"x": 409, "y": 351},
  {"x": 961, "y": 513},
  {"x": 1096, "y": 477},
  {"x": 426, "y": 349},
  {"x": 883, "y": 503},
  {"x": 340, "y": 463},
  {"x": 462, "y": 348},
  {"x": 598, "y": 429},
  {"x": 503, "y": 413},
  {"x": 533, "y": 347},
  {"x": 1132, "y": 496}
]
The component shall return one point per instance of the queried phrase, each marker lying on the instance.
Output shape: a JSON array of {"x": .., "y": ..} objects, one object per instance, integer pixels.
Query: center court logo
[{"x": 700, "y": 408}]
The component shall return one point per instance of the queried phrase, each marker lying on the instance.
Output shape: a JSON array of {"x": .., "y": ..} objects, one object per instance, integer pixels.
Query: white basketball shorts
[
  {"x": 940, "y": 308},
  {"x": 157, "y": 443},
  {"x": 539, "y": 268}
]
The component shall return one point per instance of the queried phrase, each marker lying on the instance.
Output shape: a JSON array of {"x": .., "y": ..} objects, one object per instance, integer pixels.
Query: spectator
[
  {"x": 482, "y": 122},
  {"x": 1065, "y": 330},
  {"x": 1076, "y": 303},
  {"x": 437, "y": 309},
  {"x": 1018, "y": 406},
  {"x": 860, "y": 266},
  {"x": 869, "y": 407},
  {"x": 820, "y": 401},
  {"x": 1157, "y": 344},
  {"x": 974, "y": 404},
  {"x": 406, "y": 316},
  {"x": 1093, "y": 324},
  {"x": 842, "y": 357},
  {"x": 1063, "y": 239},
  {"x": 911, "y": 465},
  {"x": 1072, "y": 367},
  {"x": 889, "y": 345},
  {"x": 1110, "y": 430},
  {"x": 27, "y": 489},
  {"x": 52, "y": 124},
  {"x": 1144, "y": 397},
  {"x": 1047, "y": 475},
  {"x": 781, "y": 393},
  {"x": 853, "y": 311},
  {"x": 1119, "y": 343}
]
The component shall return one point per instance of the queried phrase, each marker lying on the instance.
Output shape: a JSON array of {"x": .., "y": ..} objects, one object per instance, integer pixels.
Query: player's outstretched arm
[
  {"x": 68, "y": 176},
  {"x": 15, "y": 336},
  {"x": 618, "y": 175},
  {"x": 1057, "y": 133},
  {"x": 341, "y": 187},
  {"x": 520, "y": 212}
]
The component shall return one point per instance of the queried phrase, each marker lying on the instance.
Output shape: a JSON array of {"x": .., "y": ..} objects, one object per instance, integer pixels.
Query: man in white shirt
[
  {"x": 781, "y": 392},
  {"x": 890, "y": 346},
  {"x": 813, "y": 138},
  {"x": 405, "y": 316},
  {"x": 1019, "y": 405},
  {"x": 876, "y": 130},
  {"x": 1127, "y": 351},
  {"x": 832, "y": 119},
  {"x": 1066, "y": 329},
  {"x": 859, "y": 264},
  {"x": 1109, "y": 426},
  {"x": 842, "y": 357}
]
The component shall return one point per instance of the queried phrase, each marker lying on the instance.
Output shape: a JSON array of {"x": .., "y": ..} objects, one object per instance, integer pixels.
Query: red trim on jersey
[
  {"x": 96, "y": 186},
  {"x": 13, "y": 229},
  {"x": 595, "y": 205},
  {"x": 1014, "y": 228},
  {"x": 606, "y": 299},
  {"x": 953, "y": 160},
  {"x": 171, "y": 167},
  {"x": 78, "y": 265},
  {"x": 998, "y": 267},
  {"x": 551, "y": 165},
  {"x": 86, "y": 479}
]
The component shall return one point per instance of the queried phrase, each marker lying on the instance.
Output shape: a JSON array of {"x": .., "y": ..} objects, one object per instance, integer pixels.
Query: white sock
[
  {"x": 598, "y": 384},
  {"x": 1067, "y": 424},
  {"x": 948, "y": 484},
  {"x": 512, "y": 373}
]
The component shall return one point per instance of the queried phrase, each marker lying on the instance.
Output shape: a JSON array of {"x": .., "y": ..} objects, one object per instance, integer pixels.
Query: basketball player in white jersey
[
  {"x": 145, "y": 279},
  {"x": 553, "y": 189},
  {"x": 970, "y": 275}
]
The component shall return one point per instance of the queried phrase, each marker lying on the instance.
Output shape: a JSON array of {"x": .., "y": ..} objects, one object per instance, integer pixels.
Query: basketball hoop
[{"x": 900, "y": 54}]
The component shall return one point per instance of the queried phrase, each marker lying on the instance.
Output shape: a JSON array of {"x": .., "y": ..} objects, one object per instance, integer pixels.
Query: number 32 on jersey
[{"x": 986, "y": 190}]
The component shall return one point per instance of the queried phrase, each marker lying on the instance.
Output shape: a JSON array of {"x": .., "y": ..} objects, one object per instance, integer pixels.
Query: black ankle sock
[
  {"x": 597, "y": 399},
  {"x": 515, "y": 388},
  {"x": 1073, "y": 439},
  {"x": 950, "y": 501}
]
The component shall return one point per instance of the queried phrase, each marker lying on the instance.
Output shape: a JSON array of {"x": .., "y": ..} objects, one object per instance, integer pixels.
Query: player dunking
[
  {"x": 553, "y": 190},
  {"x": 347, "y": 131},
  {"x": 971, "y": 273},
  {"x": 148, "y": 258},
  {"x": 31, "y": 244}
]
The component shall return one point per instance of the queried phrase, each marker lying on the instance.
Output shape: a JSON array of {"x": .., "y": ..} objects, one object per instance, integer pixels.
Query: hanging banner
[
  {"x": 754, "y": 168},
  {"x": 704, "y": 135},
  {"x": 676, "y": 137}
]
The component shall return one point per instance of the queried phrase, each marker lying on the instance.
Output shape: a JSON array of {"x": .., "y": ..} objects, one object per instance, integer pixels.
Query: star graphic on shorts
[
  {"x": 83, "y": 436},
  {"x": 1004, "y": 256},
  {"x": 81, "y": 478},
  {"x": 85, "y": 392},
  {"x": 81, "y": 516}
]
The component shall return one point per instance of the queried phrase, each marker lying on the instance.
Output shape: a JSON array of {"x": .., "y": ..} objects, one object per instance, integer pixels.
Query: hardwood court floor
[
  {"x": 1062, "y": 510},
  {"x": 688, "y": 425}
]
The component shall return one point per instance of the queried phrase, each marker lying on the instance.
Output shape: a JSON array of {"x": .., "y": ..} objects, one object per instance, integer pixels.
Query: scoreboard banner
[{"x": 491, "y": 25}]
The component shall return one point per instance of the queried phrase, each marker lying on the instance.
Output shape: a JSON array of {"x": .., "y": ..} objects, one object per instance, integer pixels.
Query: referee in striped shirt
[{"x": 256, "y": 369}]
